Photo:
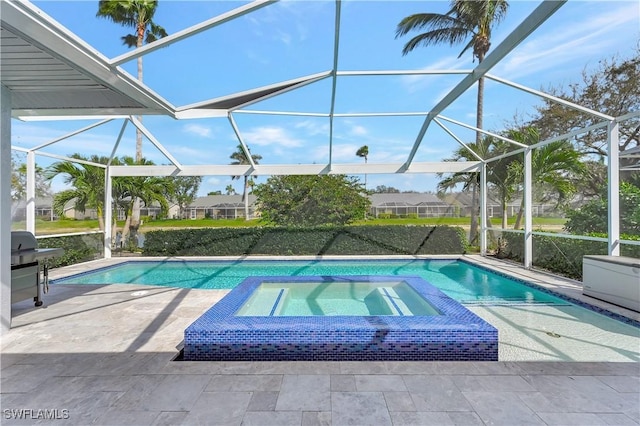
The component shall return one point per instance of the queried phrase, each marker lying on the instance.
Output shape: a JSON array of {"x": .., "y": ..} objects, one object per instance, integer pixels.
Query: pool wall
[{"x": 456, "y": 335}]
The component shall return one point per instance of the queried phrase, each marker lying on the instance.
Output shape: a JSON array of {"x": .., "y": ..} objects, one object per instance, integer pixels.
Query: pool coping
[{"x": 456, "y": 335}]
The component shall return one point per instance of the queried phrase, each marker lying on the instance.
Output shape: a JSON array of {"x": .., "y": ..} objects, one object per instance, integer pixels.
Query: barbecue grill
[{"x": 26, "y": 259}]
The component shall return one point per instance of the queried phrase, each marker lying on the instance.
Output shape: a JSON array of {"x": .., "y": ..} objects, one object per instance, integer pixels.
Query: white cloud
[
  {"x": 198, "y": 130},
  {"x": 418, "y": 82},
  {"x": 270, "y": 136},
  {"x": 313, "y": 127},
  {"x": 357, "y": 130},
  {"x": 574, "y": 41}
]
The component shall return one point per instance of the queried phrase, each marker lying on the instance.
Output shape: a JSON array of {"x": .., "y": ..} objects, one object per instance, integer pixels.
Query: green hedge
[
  {"x": 77, "y": 248},
  {"x": 342, "y": 240},
  {"x": 560, "y": 255}
]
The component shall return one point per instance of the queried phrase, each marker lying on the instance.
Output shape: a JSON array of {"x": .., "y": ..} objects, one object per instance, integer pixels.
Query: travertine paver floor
[{"x": 103, "y": 355}]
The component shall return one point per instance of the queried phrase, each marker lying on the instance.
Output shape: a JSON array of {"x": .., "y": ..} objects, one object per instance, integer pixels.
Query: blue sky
[{"x": 291, "y": 39}]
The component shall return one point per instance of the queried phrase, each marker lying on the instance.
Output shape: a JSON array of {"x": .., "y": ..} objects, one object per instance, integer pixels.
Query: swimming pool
[
  {"x": 534, "y": 324},
  {"x": 458, "y": 279}
]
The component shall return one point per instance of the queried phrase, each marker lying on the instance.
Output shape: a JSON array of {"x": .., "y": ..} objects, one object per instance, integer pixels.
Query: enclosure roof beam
[
  {"x": 295, "y": 169},
  {"x": 188, "y": 32},
  {"x": 138, "y": 124},
  {"x": 484, "y": 132},
  {"x": 549, "y": 97},
  {"x": 68, "y": 135},
  {"x": 334, "y": 80},
  {"x": 522, "y": 31}
]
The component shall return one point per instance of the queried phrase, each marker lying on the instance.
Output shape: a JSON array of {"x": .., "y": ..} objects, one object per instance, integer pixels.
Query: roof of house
[{"x": 405, "y": 199}]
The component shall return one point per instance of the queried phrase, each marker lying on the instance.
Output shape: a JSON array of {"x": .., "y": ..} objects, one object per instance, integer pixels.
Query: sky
[{"x": 293, "y": 39}]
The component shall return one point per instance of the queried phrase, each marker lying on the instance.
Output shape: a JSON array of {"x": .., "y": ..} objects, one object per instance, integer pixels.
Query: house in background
[
  {"x": 383, "y": 205},
  {"x": 462, "y": 202},
  {"x": 408, "y": 204},
  {"x": 221, "y": 207}
]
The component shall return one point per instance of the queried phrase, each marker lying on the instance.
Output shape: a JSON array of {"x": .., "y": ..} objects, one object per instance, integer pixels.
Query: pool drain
[{"x": 552, "y": 334}]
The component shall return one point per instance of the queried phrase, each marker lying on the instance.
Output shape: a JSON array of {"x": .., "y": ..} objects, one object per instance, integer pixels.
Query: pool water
[
  {"x": 459, "y": 280},
  {"x": 335, "y": 297}
]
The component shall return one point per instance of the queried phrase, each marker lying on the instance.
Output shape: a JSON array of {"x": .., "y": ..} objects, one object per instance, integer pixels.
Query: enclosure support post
[
  {"x": 483, "y": 209},
  {"x": 30, "y": 204},
  {"x": 528, "y": 222},
  {"x": 5, "y": 209},
  {"x": 108, "y": 216},
  {"x": 613, "y": 194}
]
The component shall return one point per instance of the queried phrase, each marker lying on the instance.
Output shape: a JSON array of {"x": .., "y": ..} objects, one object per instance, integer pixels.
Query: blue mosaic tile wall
[{"x": 455, "y": 335}]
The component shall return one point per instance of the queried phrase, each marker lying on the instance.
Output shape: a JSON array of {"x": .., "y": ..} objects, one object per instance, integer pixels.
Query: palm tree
[
  {"x": 87, "y": 182},
  {"x": 88, "y": 188},
  {"x": 553, "y": 166},
  {"x": 363, "y": 152},
  {"x": 240, "y": 159},
  {"x": 127, "y": 189},
  {"x": 136, "y": 14},
  {"x": 469, "y": 181},
  {"x": 229, "y": 190},
  {"x": 472, "y": 20}
]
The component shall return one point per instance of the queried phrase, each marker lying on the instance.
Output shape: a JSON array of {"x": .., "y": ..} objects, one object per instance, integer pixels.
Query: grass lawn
[{"x": 68, "y": 226}]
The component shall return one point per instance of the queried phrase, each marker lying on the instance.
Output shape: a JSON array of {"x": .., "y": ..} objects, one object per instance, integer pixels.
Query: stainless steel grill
[{"x": 26, "y": 259}]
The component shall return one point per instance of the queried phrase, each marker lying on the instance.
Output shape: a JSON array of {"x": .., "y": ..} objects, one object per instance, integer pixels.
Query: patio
[{"x": 103, "y": 355}]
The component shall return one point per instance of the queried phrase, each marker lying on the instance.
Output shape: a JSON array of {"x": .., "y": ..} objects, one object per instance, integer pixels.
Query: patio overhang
[{"x": 50, "y": 72}]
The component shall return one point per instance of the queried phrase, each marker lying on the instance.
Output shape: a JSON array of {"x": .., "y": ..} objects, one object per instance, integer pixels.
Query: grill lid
[
  {"x": 24, "y": 249},
  {"x": 23, "y": 240}
]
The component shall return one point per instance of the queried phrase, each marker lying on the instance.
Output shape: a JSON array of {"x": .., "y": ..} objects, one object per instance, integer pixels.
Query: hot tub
[{"x": 339, "y": 318}]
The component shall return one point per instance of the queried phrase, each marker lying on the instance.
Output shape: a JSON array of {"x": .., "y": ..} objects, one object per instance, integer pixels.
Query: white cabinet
[{"x": 614, "y": 279}]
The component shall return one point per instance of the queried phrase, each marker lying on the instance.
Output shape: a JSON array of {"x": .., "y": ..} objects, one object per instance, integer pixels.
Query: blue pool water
[
  {"x": 459, "y": 280},
  {"x": 334, "y": 296}
]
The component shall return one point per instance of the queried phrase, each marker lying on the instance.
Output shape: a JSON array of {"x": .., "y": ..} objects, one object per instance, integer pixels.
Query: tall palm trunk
[
  {"x": 473, "y": 234},
  {"x": 135, "y": 214},
  {"x": 245, "y": 197}
]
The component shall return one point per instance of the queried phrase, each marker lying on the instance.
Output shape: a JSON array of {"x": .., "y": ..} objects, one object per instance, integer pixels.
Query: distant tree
[
  {"x": 466, "y": 20},
  {"x": 593, "y": 216},
  {"x": 363, "y": 152},
  {"x": 311, "y": 200},
  {"x": 137, "y": 15},
  {"x": 230, "y": 190},
  {"x": 239, "y": 157},
  {"x": 19, "y": 180},
  {"x": 382, "y": 189},
  {"x": 611, "y": 89},
  {"x": 218, "y": 192},
  {"x": 183, "y": 190}
]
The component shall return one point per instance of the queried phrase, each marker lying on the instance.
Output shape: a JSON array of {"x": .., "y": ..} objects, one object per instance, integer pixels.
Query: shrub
[
  {"x": 77, "y": 248},
  {"x": 560, "y": 255},
  {"x": 334, "y": 240}
]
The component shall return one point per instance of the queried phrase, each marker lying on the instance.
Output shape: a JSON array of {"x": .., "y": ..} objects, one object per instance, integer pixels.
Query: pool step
[
  {"x": 394, "y": 302},
  {"x": 268, "y": 302}
]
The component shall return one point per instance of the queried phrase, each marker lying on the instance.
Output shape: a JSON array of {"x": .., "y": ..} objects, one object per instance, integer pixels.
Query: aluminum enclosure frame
[{"x": 32, "y": 26}]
